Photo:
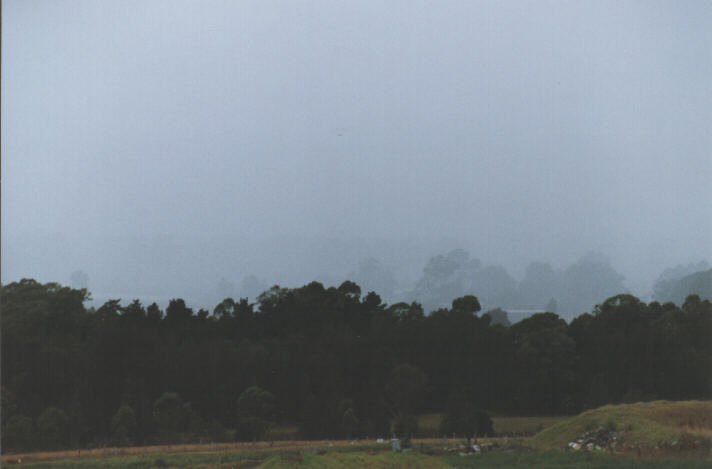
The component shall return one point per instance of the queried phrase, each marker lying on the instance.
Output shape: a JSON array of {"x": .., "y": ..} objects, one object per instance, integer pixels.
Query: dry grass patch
[{"x": 650, "y": 427}]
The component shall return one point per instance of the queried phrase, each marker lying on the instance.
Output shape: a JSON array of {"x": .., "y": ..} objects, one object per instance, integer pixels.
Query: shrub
[
  {"x": 53, "y": 428},
  {"x": 255, "y": 407},
  {"x": 123, "y": 426},
  {"x": 216, "y": 432},
  {"x": 17, "y": 434},
  {"x": 172, "y": 417},
  {"x": 348, "y": 422}
]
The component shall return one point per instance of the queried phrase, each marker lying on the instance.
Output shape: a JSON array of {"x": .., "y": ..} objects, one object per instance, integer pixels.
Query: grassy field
[
  {"x": 646, "y": 427},
  {"x": 570, "y": 461},
  {"x": 141, "y": 455},
  {"x": 651, "y": 432},
  {"x": 375, "y": 459},
  {"x": 486, "y": 461},
  {"x": 356, "y": 460}
]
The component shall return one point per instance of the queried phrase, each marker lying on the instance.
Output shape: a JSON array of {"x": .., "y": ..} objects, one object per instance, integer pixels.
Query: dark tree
[
  {"x": 255, "y": 408},
  {"x": 405, "y": 391},
  {"x": 466, "y": 304},
  {"x": 169, "y": 415},
  {"x": 53, "y": 428},
  {"x": 123, "y": 427}
]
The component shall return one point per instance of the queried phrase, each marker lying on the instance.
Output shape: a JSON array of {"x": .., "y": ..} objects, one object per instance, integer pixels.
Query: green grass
[
  {"x": 384, "y": 459},
  {"x": 355, "y": 460},
  {"x": 570, "y": 461},
  {"x": 343, "y": 457},
  {"x": 652, "y": 427},
  {"x": 241, "y": 459},
  {"x": 653, "y": 430}
]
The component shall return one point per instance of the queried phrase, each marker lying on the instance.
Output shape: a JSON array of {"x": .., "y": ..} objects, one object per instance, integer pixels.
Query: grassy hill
[{"x": 647, "y": 427}]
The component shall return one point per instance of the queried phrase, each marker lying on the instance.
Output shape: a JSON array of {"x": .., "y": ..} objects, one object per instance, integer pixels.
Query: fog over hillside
[
  {"x": 179, "y": 149},
  {"x": 205, "y": 270}
]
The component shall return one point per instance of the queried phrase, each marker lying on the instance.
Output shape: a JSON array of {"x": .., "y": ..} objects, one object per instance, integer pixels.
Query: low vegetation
[
  {"x": 504, "y": 425},
  {"x": 651, "y": 434},
  {"x": 570, "y": 461},
  {"x": 355, "y": 460},
  {"x": 649, "y": 428},
  {"x": 339, "y": 458}
]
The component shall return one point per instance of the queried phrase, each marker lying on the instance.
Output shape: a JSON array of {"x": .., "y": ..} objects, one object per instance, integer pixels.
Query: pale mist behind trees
[
  {"x": 206, "y": 271},
  {"x": 174, "y": 148}
]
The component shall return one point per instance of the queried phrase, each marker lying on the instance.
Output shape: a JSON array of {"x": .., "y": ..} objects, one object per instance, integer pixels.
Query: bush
[
  {"x": 348, "y": 422},
  {"x": 255, "y": 407},
  {"x": 53, "y": 428},
  {"x": 216, "y": 432},
  {"x": 123, "y": 426},
  {"x": 174, "y": 419},
  {"x": 17, "y": 434}
]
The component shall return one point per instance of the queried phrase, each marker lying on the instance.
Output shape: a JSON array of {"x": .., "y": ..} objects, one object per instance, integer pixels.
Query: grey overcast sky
[{"x": 522, "y": 130}]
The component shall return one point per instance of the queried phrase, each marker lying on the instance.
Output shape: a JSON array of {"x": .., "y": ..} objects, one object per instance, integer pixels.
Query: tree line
[{"x": 332, "y": 361}]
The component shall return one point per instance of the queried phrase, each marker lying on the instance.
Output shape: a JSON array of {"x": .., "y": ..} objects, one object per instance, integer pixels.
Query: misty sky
[{"x": 519, "y": 130}]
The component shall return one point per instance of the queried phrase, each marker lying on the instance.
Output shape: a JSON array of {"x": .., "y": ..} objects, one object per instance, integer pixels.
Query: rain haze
[{"x": 168, "y": 149}]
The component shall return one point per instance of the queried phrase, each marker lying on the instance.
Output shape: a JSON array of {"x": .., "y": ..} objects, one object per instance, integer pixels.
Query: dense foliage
[{"x": 334, "y": 362}]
